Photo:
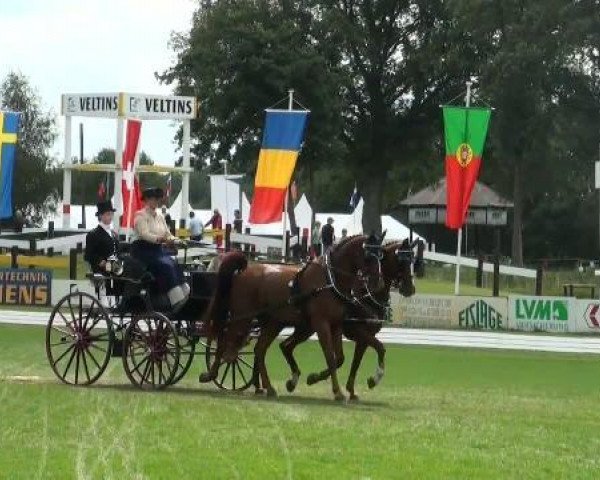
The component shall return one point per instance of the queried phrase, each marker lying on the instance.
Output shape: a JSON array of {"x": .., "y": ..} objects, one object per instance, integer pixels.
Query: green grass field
[{"x": 439, "y": 413}]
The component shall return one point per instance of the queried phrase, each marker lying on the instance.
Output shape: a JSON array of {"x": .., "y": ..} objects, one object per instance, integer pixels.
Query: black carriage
[{"x": 128, "y": 318}]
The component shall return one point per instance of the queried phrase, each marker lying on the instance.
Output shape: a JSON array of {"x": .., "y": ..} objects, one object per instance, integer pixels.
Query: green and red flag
[{"x": 465, "y": 129}]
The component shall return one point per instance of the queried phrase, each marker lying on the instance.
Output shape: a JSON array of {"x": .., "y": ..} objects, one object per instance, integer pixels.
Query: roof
[{"x": 435, "y": 195}]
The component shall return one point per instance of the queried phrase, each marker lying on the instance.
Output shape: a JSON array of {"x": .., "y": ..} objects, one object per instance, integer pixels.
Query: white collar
[{"x": 107, "y": 228}]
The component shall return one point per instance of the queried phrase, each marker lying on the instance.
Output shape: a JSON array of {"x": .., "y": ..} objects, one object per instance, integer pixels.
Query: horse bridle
[{"x": 370, "y": 250}]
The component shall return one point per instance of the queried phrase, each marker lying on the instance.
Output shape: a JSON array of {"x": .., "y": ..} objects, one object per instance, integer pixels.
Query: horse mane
[{"x": 345, "y": 241}]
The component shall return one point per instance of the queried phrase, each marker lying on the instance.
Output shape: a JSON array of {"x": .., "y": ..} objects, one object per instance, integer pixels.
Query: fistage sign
[
  {"x": 482, "y": 313},
  {"x": 23, "y": 286},
  {"x": 446, "y": 311}
]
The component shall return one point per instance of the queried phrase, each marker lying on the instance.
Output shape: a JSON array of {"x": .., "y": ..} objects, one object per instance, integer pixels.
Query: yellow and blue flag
[
  {"x": 9, "y": 127},
  {"x": 282, "y": 139}
]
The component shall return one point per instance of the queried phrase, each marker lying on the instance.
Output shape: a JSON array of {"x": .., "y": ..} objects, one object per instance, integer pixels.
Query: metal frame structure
[{"x": 121, "y": 106}]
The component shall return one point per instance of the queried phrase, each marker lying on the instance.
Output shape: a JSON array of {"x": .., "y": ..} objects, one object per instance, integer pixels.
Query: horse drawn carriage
[
  {"x": 331, "y": 297},
  {"x": 128, "y": 318}
]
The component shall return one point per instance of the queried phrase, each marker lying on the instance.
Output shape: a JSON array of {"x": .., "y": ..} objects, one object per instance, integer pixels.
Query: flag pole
[
  {"x": 136, "y": 160},
  {"x": 460, "y": 230},
  {"x": 285, "y": 202}
]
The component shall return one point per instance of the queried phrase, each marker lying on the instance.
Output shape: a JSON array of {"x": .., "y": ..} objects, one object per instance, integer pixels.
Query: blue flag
[{"x": 9, "y": 126}]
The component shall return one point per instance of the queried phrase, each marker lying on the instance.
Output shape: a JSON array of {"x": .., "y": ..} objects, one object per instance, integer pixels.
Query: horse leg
[
  {"x": 339, "y": 360},
  {"x": 209, "y": 376},
  {"x": 359, "y": 350},
  {"x": 300, "y": 335},
  {"x": 325, "y": 339},
  {"x": 374, "y": 342},
  {"x": 266, "y": 337}
]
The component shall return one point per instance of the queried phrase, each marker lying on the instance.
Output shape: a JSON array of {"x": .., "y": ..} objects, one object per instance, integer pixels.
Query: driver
[
  {"x": 102, "y": 243},
  {"x": 151, "y": 234}
]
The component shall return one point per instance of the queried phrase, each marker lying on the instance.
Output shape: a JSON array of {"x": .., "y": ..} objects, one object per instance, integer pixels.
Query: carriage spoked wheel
[
  {"x": 79, "y": 339},
  {"x": 188, "y": 341},
  {"x": 236, "y": 375},
  {"x": 150, "y": 351}
]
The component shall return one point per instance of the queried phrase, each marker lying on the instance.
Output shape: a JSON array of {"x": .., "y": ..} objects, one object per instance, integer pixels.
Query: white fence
[{"x": 473, "y": 263}]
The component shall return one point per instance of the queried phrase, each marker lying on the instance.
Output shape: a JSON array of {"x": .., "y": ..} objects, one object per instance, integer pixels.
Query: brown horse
[
  {"x": 280, "y": 296},
  {"x": 397, "y": 266}
]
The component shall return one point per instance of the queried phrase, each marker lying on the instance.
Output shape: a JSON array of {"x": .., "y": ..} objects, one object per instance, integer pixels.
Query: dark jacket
[
  {"x": 327, "y": 235},
  {"x": 99, "y": 245}
]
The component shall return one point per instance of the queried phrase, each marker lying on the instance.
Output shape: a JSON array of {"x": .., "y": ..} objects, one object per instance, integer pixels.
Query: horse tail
[{"x": 218, "y": 308}]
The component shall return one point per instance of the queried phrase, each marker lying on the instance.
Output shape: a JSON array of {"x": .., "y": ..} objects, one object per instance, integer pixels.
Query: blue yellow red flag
[{"x": 282, "y": 140}]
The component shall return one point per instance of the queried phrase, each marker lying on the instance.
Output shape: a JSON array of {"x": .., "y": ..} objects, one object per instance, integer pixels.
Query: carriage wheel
[
  {"x": 79, "y": 339},
  {"x": 236, "y": 375},
  {"x": 187, "y": 350},
  {"x": 150, "y": 351}
]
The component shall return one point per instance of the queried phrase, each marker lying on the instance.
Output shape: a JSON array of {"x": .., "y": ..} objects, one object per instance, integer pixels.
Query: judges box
[{"x": 24, "y": 286}]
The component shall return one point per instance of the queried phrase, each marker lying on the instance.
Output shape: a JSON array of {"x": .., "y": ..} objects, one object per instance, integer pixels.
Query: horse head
[
  {"x": 358, "y": 256},
  {"x": 400, "y": 262}
]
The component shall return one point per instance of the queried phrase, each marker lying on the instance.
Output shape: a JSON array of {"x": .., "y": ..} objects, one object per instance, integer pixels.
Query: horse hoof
[
  {"x": 353, "y": 397},
  {"x": 205, "y": 377},
  {"x": 371, "y": 383},
  {"x": 340, "y": 397},
  {"x": 290, "y": 385},
  {"x": 271, "y": 393},
  {"x": 312, "y": 379},
  {"x": 259, "y": 391}
]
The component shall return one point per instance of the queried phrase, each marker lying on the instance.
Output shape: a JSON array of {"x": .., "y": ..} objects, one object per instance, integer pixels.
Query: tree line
[{"x": 374, "y": 73}]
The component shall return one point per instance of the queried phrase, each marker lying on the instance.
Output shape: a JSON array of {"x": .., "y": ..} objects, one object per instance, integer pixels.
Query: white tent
[
  {"x": 175, "y": 208},
  {"x": 226, "y": 195},
  {"x": 303, "y": 212}
]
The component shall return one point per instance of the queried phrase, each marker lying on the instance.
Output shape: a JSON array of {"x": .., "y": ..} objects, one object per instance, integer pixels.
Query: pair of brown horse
[{"x": 332, "y": 296}]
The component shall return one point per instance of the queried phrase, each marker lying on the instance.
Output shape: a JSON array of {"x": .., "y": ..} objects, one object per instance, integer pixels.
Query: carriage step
[{"x": 117, "y": 350}]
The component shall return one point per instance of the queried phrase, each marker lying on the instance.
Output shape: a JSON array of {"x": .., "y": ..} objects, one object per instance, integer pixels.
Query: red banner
[{"x": 130, "y": 184}]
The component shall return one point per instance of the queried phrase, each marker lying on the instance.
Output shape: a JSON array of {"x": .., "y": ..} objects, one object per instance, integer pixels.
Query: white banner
[
  {"x": 423, "y": 311},
  {"x": 104, "y": 105},
  {"x": 481, "y": 313},
  {"x": 587, "y": 317},
  {"x": 546, "y": 314},
  {"x": 158, "y": 106},
  {"x": 448, "y": 311},
  {"x": 130, "y": 105}
]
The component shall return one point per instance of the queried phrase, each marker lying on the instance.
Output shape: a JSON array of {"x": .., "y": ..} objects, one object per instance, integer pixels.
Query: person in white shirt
[
  {"x": 151, "y": 234},
  {"x": 196, "y": 227}
]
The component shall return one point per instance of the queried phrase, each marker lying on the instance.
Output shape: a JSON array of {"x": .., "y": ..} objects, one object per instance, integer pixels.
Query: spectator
[
  {"x": 168, "y": 219},
  {"x": 196, "y": 228},
  {"x": 216, "y": 223},
  {"x": 19, "y": 221},
  {"x": 344, "y": 233},
  {"x": 237, "y": 228},
  {"x": 237, "y": 221},
  {"x": 327, "y": 235},
  {"x": 315, "y": 240}
]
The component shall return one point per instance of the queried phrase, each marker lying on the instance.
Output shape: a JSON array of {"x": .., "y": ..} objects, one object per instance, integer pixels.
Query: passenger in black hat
[
  {"x": 102, "y": 242},
  {"x": 151, "y": 234}
]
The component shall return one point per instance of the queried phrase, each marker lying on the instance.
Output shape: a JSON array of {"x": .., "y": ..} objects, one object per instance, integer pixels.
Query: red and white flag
[
  {"x": 132, "y": 198},
  {"x": 169, "y": 187}
]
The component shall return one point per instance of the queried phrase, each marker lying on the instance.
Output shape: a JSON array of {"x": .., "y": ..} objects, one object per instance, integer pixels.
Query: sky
[{"x": 95, "y": 46}]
